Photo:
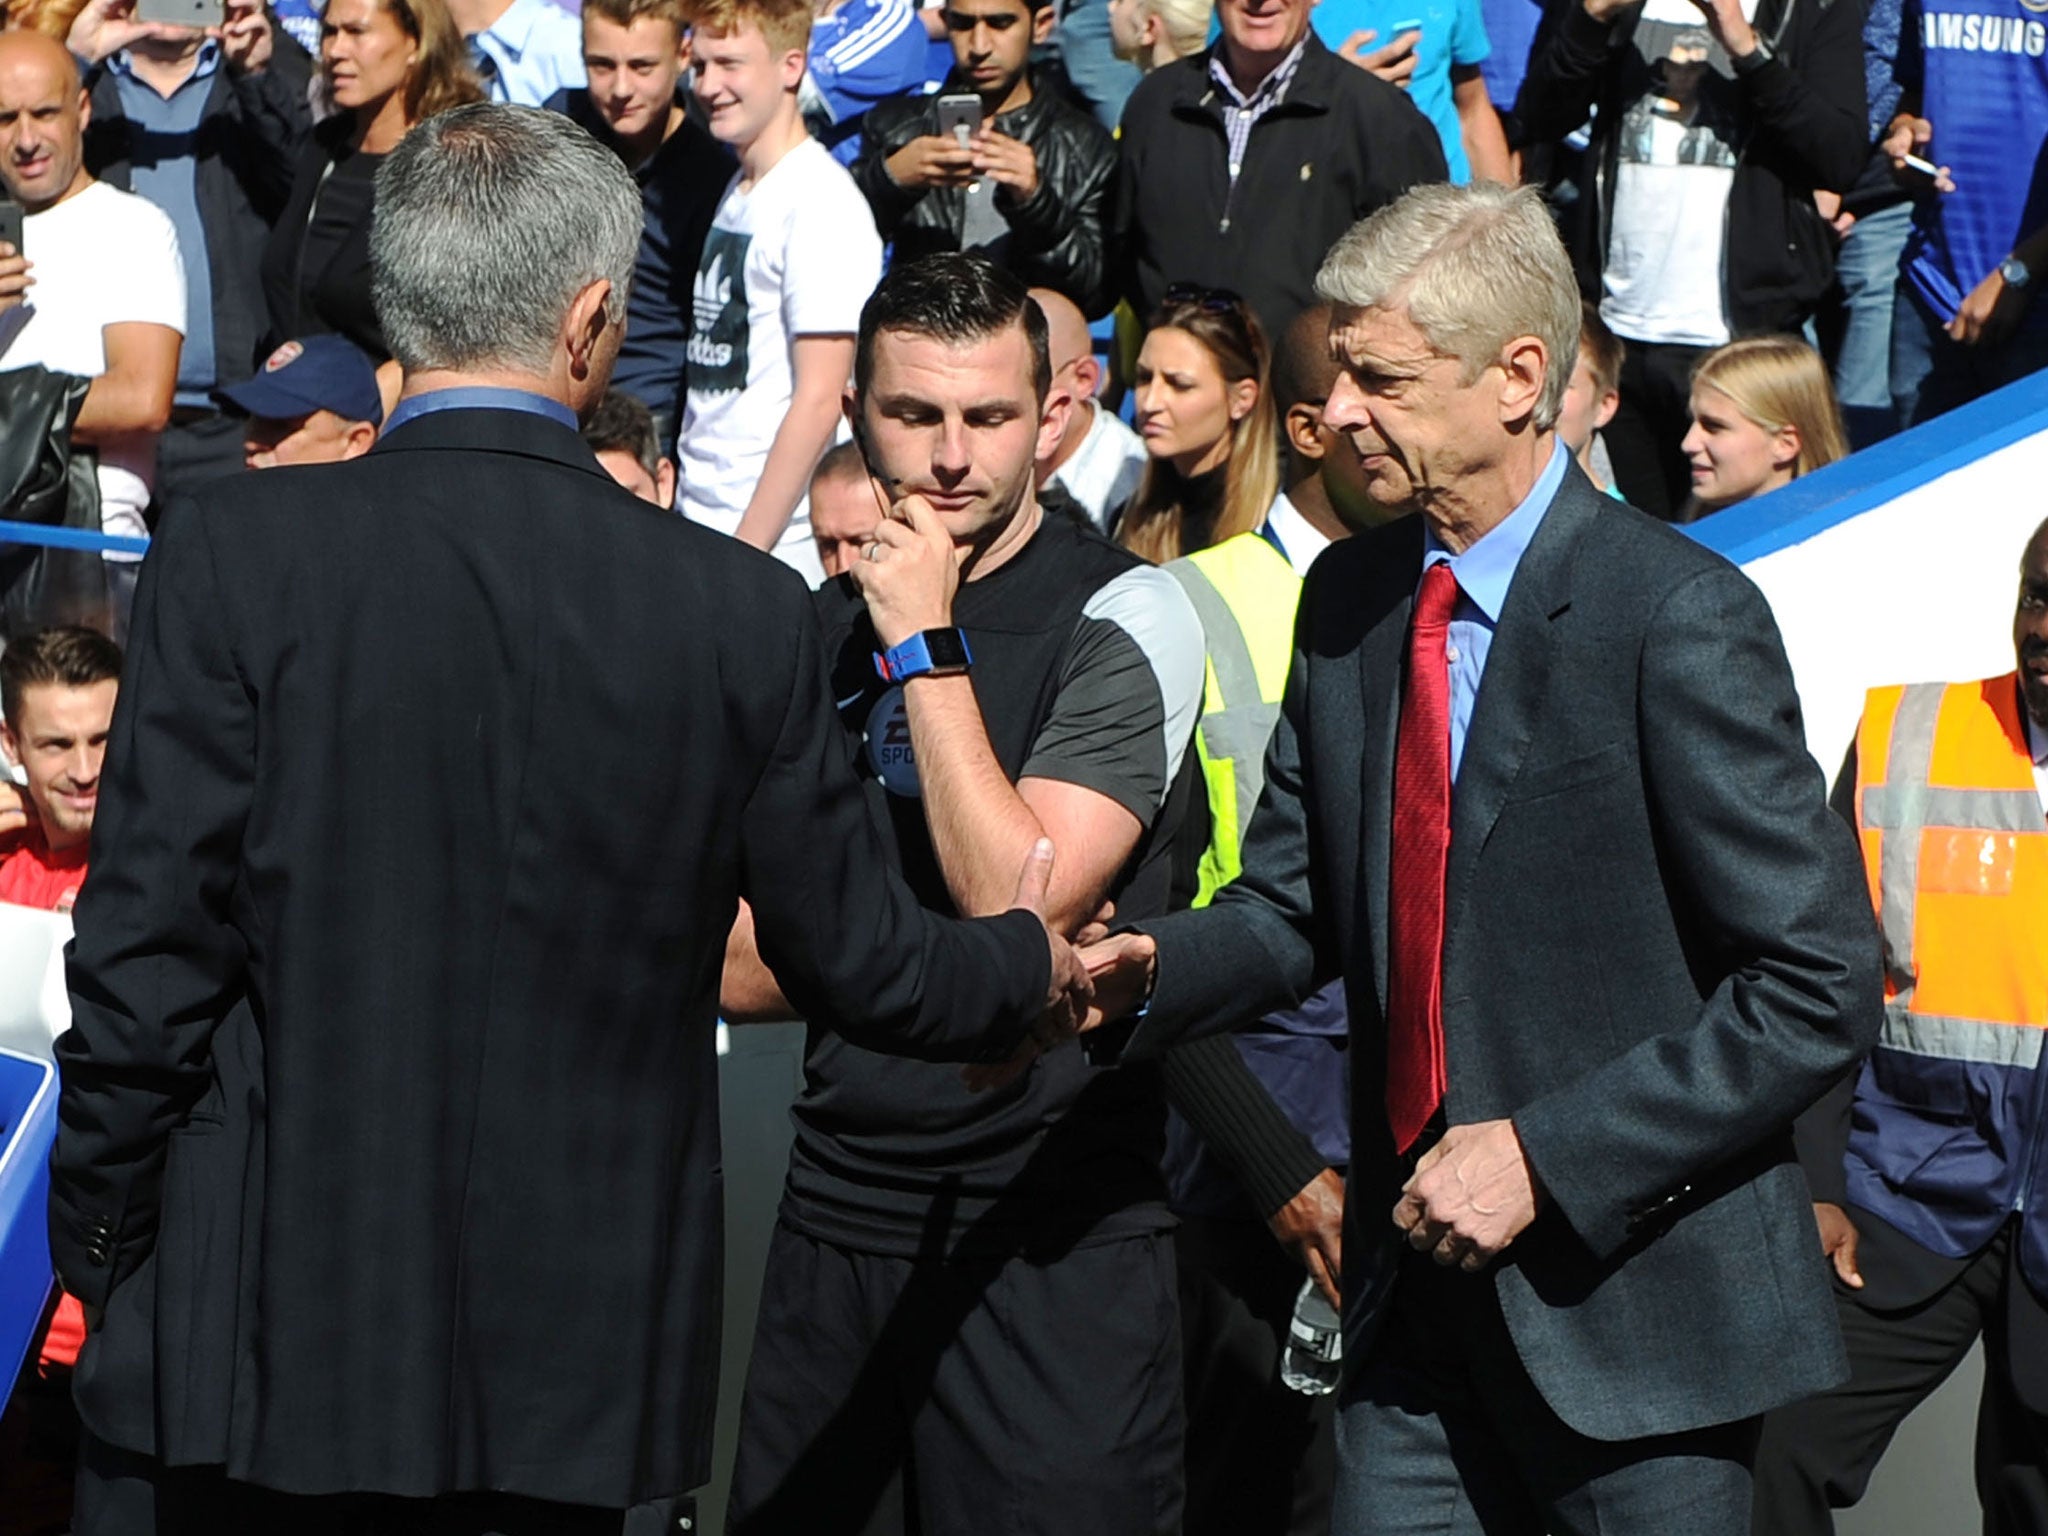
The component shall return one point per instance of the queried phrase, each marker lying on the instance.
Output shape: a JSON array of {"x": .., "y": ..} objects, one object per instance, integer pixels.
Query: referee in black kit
[{"x": 969, "y": 1319}]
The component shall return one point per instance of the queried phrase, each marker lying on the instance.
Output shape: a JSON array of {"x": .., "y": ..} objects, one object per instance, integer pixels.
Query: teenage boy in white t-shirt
[
  {"x": 99, "y": 279},
  {"x": 791, "y": 257}
]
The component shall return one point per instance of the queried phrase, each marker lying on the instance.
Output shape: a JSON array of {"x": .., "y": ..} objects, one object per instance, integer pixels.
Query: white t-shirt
[
  {"x": 1663, "y": 279},
  {"x": 1300, "y": 540},
  {"x": 796, "y": 254},
  {"x": 101, "y": 257}
]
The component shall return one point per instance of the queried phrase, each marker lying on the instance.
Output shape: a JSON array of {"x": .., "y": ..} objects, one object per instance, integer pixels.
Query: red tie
[{"x": 1422, "y": 843}]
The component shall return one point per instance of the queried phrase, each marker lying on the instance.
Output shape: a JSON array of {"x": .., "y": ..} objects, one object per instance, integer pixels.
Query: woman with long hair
[
  {"x": 1205, "y": 416},
  {"x": 1763, "y": 414},
  {"x": 385, "y": 65}
]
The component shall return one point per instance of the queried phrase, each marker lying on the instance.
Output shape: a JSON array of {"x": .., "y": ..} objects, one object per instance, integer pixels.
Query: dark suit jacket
[
  {"x": 1658, "y": 951},
  {"x": 389, "y": 1127}
]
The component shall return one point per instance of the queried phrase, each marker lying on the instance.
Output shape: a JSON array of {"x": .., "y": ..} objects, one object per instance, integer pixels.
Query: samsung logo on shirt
[{"x": 1983, "y": 34}]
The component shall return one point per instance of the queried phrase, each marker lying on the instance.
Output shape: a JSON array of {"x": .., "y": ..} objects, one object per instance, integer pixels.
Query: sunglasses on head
[{"x": 1216, "y": 301}]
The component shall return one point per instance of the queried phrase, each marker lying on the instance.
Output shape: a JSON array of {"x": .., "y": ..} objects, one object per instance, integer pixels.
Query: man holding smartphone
[
  {"x": 99, "y": 272},
  {"x": 993, "y": 165},
  {"x": 175, "y": 119},
  {"x": 1972, "y": 117}
]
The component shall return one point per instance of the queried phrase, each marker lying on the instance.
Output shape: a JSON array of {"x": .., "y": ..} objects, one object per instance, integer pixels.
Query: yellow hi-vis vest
[{"x": 1245, "y": 593}]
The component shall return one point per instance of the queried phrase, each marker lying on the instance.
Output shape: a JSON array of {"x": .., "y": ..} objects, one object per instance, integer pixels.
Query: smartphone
[
  {"x": 10, "y": 225},
  {"x": 960, "y": 117},
  {"x": 197, "y": 14}
]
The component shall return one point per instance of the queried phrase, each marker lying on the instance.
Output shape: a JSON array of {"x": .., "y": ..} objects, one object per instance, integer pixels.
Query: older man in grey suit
[{"x": 1539, "y": 794}]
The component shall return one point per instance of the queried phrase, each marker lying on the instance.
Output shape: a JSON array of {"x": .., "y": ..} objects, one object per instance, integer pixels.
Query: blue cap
[{"x": 319, "y": 373}]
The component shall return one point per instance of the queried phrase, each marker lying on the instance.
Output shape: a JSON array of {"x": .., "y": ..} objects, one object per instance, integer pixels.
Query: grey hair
[
  {"x": 490, "y": 220},
  {"x": 1474, "y": 267}
]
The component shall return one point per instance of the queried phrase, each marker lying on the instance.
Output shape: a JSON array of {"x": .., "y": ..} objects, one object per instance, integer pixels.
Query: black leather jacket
[
  {"x": 45, "y": 479},
  {"x": 1058, "y": 235}
]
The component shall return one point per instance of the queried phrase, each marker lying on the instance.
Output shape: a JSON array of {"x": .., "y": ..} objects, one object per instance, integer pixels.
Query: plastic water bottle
[{"x": 1314, "y": 1357}]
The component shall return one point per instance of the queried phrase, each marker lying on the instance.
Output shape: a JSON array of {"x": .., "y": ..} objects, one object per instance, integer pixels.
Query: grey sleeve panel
[{"x": 1128, "y": 696}]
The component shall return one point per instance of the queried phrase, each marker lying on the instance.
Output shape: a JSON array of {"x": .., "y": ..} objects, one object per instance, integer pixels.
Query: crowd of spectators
[
  {"x": 1797, "y": 228},
  {"x": 1856, "y": 176}
]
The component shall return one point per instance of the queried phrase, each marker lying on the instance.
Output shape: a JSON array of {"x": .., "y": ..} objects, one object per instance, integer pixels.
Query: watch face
[{"x": 948, "y": 649}]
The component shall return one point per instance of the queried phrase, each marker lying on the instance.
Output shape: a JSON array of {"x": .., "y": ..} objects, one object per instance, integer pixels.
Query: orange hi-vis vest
[{"x": 1955, "y": 845}]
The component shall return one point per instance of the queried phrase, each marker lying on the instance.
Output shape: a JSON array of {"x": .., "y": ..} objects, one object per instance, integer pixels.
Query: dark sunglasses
[{"x": 1216, "y": 301}]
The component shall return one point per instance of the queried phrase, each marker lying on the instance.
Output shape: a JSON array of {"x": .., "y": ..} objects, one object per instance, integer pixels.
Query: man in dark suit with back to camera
[
  {"x": 1539, "y": 794},
  {"x": 389, "y": 1130}
]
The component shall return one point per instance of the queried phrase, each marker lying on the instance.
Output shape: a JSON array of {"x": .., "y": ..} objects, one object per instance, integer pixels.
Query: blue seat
[{"x": 28, "y": 1127}]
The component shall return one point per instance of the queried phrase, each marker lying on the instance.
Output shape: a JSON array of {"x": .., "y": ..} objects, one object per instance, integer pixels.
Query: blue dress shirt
[
  {"x": 1484, "y": 573},
  {"x": 165, "y": 169},
  {"x": 532, "y": 51},
  {"x": 479, "y": 397}
]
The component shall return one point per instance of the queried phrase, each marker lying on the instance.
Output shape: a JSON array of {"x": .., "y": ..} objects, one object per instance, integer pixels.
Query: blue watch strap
[{"x": 913, "y": 658}]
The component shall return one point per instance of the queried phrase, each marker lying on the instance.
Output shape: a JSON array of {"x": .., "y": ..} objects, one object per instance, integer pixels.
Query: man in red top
[
  {"x": 56, "y": 703},
  {"x": 57, "y": 699}
]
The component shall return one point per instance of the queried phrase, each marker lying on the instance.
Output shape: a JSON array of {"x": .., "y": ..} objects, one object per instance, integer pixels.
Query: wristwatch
[
  {"x": 933, "y": 652},
  {"x": 1757, "y": 57},
  {"x": 2015, "y": 272}
]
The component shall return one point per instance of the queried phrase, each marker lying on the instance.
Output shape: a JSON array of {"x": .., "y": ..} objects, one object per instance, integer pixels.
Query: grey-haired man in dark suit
[
  {"x": 387, "y": 1155},
  {"x": 1539, "y": 794}
]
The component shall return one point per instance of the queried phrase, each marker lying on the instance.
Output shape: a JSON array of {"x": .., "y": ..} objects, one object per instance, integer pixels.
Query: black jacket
[
  {"x": 1058, "y": 235},
  {"x": 337, "y": 297},
  {"x": 1340, "y": 144},
  {"x": 243, "y": 177},
  {"x": 1804, "y": 128},
  {"x": 44, "y": 479},
  {"x": 388, "y": 1136},
  {"x": 1657, "y": 952},
  {"x": 681, "y": 186}
]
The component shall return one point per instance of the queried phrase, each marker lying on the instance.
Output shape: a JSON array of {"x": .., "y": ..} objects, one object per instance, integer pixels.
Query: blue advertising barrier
[
  {"x": 28, "y": 1127},
  {"x": 70, "y": 538},
  {"x": 1817, "y": 503}
]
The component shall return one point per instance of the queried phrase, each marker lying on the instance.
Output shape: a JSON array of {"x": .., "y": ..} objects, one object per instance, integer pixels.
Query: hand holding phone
[
  {"x": 931, "y": 160},
  {"x": 15, "y": 280},
  {"x": 105, "y": 27},
  {"x": 959, "y": 118},
  {"x": 193, "y": 15}
]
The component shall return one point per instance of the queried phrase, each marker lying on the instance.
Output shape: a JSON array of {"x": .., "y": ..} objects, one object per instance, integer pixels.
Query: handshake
[{"x": 1094, "y": 979}]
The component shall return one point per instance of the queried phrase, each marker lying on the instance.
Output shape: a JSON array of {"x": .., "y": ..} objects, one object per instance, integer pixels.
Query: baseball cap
[{"x": 316, "y": 373}]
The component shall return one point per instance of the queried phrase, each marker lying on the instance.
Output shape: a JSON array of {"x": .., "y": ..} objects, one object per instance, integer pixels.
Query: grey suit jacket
[{"x": 1658, "y": 951}]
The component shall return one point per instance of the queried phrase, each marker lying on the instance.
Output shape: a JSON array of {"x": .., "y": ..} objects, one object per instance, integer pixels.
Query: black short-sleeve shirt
[{"x": 1088, "y": 666}]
